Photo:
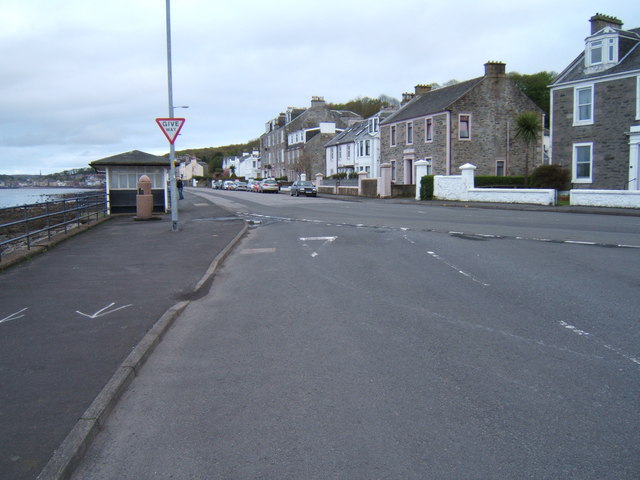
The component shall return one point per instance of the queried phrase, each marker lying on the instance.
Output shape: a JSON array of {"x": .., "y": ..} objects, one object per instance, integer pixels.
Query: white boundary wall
[
  {"x": 462, "y": 188},
  {"x": 605, "y": 198}
]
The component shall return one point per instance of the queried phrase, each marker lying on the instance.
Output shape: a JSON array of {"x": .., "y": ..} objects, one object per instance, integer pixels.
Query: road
[{"x": 376, "y": 340}]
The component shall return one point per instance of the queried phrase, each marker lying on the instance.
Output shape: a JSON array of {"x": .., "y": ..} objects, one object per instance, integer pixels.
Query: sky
[{"x": 83, "y": 80}]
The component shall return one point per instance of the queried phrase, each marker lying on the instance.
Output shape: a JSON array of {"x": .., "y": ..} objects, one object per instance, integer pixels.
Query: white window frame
[
  {"x": 638, "y": 97},
  {"x": 574, "y": 163},
  {"x": 409, "y": 133},
  {"x": 594, "y": 46},
  {"x": 468, "y": 115},
  {"x": 428, "y": 122},
  {"x": 576, "y": 105}
]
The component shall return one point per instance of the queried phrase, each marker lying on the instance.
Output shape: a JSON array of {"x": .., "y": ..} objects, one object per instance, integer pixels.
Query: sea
[{"x": 14, "y": 197}]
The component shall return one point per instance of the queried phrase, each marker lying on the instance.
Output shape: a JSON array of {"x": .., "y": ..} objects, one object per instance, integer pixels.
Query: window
[
  {"x": 373, "y": 125},
  {"x": 612, "y": 50},
  {"x": 409, "y": 133},
  {"x": 500, "y": 168},
  {"x": 582, "y": 162},
  {"x": 464, "y": 130},
  {"x": 393, "y": 135},
  {"x": 348, "y": 152},
  {"x": 393, "y": 170},
  {"x": 428, "y": 130},
  {"x": 583, "y": 106},
  {"x": 367, "y": 147},
  {"x": 595, "y": 50}
]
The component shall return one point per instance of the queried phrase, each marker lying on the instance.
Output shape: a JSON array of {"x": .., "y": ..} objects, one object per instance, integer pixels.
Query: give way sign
[{"x": 170, "y": 127}]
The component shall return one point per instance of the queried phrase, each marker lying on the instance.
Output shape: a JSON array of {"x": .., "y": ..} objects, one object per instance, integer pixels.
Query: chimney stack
[
  {"x": 600, "y": 21},
  {"x": 494, "y": 69},
  {"x": 407, "y": 97},
  {"x": 317, "y": 101},
  {"x": 422, "y": 89}
]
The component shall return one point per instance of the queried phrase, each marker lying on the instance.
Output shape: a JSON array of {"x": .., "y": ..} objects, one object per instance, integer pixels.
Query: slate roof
[
  {"x": 134, "y": 157},
  {"x": 348, "y": 135},
  {"x": 629, "y": 62},
  {"x": 435, "y": 101}
]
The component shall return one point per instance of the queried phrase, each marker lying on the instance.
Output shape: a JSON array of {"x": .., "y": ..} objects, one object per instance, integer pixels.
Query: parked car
[
  {"x": 241, "y": 186},
  {"x": 227, "y": 185},
  {"x": 217, "y": 184},
  {"x": 305, "y": 188},
  {"x": 251, "y": 185},
  {"x": 269, "y": 186}
]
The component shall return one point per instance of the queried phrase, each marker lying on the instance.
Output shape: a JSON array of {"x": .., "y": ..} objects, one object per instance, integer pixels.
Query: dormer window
[
  {"x": 601, "y": 51},
  {"x": 374, "y": 124},
  {"x": 595, "y": 52}
]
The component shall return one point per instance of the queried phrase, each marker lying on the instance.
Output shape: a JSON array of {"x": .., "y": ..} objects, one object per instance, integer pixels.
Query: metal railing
[{"x": 24, "y": 226}]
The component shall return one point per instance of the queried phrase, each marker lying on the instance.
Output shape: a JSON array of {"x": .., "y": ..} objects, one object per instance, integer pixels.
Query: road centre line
[{"x": 450, "y": 232}]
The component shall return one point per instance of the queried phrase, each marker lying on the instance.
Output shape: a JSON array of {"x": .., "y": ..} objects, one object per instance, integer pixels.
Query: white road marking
[
  {"x": 461, "y": 272},
  {"x": 103, "y": 311},
  {"x": 311, "y": 239},
  {"x": 250, "y": 251},
  {"x": 574, "y": 329},
  {"x": 325, "y": 241},
  {"x": 14, "y": 316}
]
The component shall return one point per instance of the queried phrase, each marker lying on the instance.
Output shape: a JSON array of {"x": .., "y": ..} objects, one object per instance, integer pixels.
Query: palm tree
[{"x": 528, "y": 129}]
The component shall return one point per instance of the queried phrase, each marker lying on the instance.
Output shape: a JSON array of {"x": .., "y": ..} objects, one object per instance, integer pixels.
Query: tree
[
  {"x": 528, "y": 130},
  {"x": 364, "y": 106},
  {"x": 536, "y": 87}
]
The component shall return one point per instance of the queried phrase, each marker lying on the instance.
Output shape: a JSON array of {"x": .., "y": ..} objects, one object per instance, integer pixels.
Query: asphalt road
[{"x": 372, "y": 340}]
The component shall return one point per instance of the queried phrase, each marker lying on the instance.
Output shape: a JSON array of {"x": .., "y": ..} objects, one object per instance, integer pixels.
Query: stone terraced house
[
  {"x": 595, "y": 109},
  {"x": 468, "y": 122},
  {"x": 293, "y": 143}
]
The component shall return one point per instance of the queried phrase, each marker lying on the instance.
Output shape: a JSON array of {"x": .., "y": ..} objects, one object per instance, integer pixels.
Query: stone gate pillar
[
  {"x": 361, "y": 176},
  {"x": 422, "y": 169},
  {"x": 384, "y": 185}
]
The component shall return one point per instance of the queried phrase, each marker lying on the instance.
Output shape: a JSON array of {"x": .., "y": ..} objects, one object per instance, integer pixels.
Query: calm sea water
[{"x": 12, "y": 197}]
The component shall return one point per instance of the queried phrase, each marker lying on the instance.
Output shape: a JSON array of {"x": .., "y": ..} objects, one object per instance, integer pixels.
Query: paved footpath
[{"x": 93, "y": 305}]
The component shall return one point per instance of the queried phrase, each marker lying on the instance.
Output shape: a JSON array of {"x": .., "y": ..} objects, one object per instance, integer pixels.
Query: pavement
[
  {"x": 98, "y": 303},
  {"x": 94, "y": 304}
]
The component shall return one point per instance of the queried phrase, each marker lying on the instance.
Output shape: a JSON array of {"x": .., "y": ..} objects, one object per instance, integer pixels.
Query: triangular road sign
[{"x": 170, "y": 127}]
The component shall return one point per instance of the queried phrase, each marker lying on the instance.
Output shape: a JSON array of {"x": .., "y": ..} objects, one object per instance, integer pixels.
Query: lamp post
[{"x": 172, "y": 148}]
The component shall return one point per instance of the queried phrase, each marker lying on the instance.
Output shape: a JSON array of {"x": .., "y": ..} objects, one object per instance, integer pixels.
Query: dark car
[{"x": 303, "y": 188}]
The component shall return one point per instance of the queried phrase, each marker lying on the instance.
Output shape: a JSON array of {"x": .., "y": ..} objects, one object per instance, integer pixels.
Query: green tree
[
  {"x": 535, "y": 86},
  {"x": 364, "y": 106},
  {"x": 528, "y": 130}
]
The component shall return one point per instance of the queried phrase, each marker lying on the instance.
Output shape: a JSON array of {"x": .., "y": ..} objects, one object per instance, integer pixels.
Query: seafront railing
[{"x": 29, "y": 225}]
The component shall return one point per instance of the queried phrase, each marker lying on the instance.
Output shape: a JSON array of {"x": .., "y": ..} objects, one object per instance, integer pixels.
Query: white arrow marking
[
  {"x": 13, "y": 316},
  {"x": 313, "y": 239},
  {"x": 102, "y": 312}
]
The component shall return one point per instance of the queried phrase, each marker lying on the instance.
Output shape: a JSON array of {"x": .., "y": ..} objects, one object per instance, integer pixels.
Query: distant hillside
[{"x": 213, "y": 155}]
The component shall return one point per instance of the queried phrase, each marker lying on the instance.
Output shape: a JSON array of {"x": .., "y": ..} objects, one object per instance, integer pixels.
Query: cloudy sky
[{"x": 85, "y": 79}]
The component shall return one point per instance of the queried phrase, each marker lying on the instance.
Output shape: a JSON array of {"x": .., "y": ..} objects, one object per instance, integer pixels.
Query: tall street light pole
[{"x": 172, "y": 148}]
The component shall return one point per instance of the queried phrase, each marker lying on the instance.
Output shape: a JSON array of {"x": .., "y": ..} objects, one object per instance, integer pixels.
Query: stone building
[
  {"x": 293, "y": 143},
  {"x": 468, "y": 122},
  {"x": 595, "y": 109},
  {"x": 357, "y": 148}
]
